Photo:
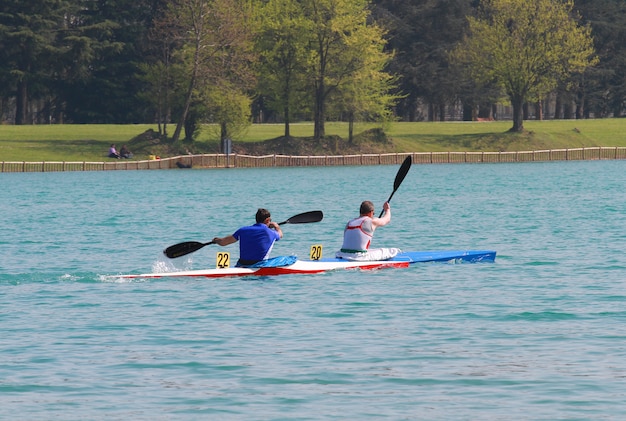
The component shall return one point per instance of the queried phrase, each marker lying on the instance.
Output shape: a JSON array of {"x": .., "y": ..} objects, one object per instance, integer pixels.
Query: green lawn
[{"x": 91, "y": 142}]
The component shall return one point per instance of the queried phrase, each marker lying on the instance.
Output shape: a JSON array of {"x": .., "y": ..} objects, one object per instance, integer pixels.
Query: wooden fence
[{"x": 247, "y": 161}]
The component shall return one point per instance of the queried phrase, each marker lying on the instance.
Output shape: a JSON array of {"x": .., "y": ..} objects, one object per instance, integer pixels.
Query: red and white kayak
[{"x": 402, "y": 260}]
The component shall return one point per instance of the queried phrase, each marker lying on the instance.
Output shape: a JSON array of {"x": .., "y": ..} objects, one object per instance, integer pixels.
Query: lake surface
[{"x": 539, "y": 335}]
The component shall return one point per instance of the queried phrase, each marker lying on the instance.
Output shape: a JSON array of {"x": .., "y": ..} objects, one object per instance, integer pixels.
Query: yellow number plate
[
  {"x": 316, "y": 252},
  {"x": 223, "y": 260}
]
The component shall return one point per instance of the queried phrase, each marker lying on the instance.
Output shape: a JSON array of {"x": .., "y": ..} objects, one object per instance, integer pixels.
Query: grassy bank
[{"x": 91, "y": 142}]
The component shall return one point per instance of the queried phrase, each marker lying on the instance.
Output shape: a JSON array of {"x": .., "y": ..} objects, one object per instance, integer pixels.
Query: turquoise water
[{"x": 538, "y": 335}]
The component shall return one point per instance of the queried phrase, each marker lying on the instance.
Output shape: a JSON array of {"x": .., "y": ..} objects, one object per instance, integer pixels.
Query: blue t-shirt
[{"x": 255, "y": 241}]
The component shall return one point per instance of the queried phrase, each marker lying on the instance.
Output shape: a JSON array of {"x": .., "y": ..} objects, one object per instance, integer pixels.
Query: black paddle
[
  {"x": 402, "y": 172},
  {"x": 181, "y": 249}
]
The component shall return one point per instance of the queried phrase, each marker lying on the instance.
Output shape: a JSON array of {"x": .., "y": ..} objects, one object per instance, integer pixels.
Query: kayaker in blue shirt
[
  {"x": 255, "y": 241},
  {"x": 358, "y": 234}
]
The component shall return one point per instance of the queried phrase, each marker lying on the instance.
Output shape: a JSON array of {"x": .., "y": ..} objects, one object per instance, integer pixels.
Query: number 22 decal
[{"x": 223, "y": 260}]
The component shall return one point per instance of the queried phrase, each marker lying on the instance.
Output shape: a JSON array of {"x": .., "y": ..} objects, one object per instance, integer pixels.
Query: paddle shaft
[{"x": 402, "y": 172}]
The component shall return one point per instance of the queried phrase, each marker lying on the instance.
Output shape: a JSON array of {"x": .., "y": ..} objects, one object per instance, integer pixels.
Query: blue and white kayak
[
  {"x": 284, "y": 265},
  {"x": 447, "y": 256}
]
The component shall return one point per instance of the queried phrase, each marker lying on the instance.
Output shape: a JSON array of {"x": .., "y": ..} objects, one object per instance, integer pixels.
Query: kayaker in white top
[{"x": 358, "y": 234}]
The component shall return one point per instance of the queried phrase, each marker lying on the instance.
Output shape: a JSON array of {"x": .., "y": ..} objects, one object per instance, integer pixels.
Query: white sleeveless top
[{"x": 358, "y": 235}]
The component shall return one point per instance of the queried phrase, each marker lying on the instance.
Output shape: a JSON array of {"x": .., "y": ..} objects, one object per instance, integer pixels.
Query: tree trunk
[
  {"x": 183, "y": 115},
  {"x": 567, "y": 110},
  {"x": 431, "y": 112},
  {"x": 467, "y": 112},
  {"x": 580, "y": 106},
  {"x": 580, "y": 111},
  {"x": 539, "y": 110},
  {"x": 287, "y": 102},
  {"x": 318, "y": 126},
  {"x": 558, "y": 107},
  {"x": 412, "y": 108},
  {"x": 518, "y": 114},
  {"x": 287, "y": 120},
  {"x": 350, "y": 127},
  {"x": 21, "y": 103},
  {"x": 525, "y": 111},
  {"x": 442, "y": 112},
  {"x": 192, "y": 81},
  {"x": 223, "y": 132}
]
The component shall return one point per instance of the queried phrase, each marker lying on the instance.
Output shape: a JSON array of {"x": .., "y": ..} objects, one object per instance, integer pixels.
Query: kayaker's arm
[
  {"x": 274, "y": 225},
  {"x": 224, "y": 241},
  {"x": 385, "y": 219}
]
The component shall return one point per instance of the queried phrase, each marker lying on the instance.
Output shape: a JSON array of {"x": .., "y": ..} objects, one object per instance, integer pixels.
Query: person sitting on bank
[
  {"x": 125, "y": 153},
  {"x": 358, "y": 234},
  {"x": 113, "y": 152},
  {"x": 255, "y": 241}
]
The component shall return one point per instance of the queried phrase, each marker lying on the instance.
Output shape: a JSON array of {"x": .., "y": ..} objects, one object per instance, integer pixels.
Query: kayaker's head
[
  {"x": 367, "y": 207},
  {"x": 263, "y": 216}
]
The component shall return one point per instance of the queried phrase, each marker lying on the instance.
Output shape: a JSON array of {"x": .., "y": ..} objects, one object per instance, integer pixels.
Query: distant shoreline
[
  {"x": 90, "y": 143},
  {"x": 215, "y": 161}
]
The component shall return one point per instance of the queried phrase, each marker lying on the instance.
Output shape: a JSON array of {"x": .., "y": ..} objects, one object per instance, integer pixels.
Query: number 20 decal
[
  {"x": 223, "y": 260},
  {"x": 316, "y": 252}
]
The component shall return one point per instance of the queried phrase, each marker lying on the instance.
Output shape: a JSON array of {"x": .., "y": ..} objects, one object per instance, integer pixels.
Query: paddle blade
[
  {"x": 402, "y": 172},
  {"x": 304, "y": 218},
  {"x": 181, "y": 249}
]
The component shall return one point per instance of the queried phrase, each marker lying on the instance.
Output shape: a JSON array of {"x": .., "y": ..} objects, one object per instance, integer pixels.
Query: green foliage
[
  {"x": 121, "y": 61},
  {"x": 525, "y": 47},
  {"x": 230, "y": 110},
  {"x": 346, "y": 54},
  {"x": 282, "y": 47},
  {"x": 421, "y": 33},
  {"x": 368, "y": 94},
  {"x": 606, "y": 83},
  {"x": 28, "y": 43},
  {"x": 215, "y": 51},
  {"x": 99, "y": 70}
]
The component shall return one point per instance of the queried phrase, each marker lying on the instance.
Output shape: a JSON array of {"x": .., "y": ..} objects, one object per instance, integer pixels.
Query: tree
[
  {"x": 337, "y": 52},
  {"x": 215, "y": 48},
  {"x": 104, "y": 48},
  {"x": 367, "y": 95},
  {"x": 526, "y": 47},
  {"x": 606, "y": 83},
  {"x": 282, "y": 45},
  {"x": 421, "y": 33},
  {"x": 29, "y": 31},
  {"x": 230, "y": 110}
]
